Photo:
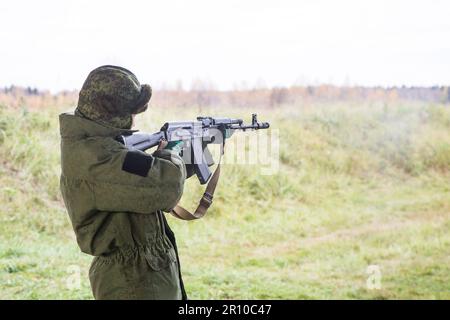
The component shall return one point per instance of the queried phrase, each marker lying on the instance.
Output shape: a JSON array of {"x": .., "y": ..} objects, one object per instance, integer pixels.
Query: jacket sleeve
[{"x": 145, "y": 184}]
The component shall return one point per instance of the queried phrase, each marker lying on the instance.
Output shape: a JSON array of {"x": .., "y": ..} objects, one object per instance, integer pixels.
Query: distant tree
[
  {"x": 179, "y": 85},
  {"x": 278, "y": 96}
]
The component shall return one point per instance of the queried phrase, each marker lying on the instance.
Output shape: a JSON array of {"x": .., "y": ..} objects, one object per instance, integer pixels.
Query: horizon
[
  {"x": 170, "y": 88},
  {"x": 53, "y": 46}
]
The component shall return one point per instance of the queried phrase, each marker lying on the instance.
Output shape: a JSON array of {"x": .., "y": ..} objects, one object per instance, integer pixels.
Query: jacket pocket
[{"x": 159, "y": 260}]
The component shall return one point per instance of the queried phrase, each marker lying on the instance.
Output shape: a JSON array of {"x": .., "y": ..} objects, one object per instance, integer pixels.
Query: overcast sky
[{"x": 54, "y": 44}]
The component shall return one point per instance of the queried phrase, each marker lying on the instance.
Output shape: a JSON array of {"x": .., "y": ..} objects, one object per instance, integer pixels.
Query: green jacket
[{"x": 116, "y": 215}]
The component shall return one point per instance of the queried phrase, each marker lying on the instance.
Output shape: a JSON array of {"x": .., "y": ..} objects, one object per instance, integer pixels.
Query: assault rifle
[{"x": 196, "y": 135}]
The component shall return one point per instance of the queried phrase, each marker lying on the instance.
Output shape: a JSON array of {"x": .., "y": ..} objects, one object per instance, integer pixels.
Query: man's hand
[
  {"x": 176, "y": 146},
  {"x": 162, "y": 144}
]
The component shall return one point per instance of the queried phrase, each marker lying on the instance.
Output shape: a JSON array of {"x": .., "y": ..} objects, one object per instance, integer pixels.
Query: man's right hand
[
  {"x": 162, "y": 144},
  {"x": 176, "y": 146}
]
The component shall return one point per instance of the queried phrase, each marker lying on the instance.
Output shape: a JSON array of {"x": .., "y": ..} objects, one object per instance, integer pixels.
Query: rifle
[{"x": 196, "y": 135}]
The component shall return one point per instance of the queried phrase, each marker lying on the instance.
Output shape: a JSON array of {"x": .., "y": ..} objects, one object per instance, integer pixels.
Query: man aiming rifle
[{"x": 115, "y": 193}]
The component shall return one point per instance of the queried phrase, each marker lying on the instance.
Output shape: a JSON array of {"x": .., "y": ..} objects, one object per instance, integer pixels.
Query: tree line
[{"x": 259, "y": 97}]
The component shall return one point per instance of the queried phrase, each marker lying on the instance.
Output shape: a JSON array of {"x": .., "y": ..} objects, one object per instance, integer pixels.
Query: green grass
[{"x": 356, "y": 186}]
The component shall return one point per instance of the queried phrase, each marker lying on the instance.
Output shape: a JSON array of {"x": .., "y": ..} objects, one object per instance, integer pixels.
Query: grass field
[{"x": 361, "y": 197}]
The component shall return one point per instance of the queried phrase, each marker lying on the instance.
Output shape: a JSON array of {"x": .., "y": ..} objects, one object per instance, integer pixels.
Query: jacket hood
[{"x": 73, "y": 126}]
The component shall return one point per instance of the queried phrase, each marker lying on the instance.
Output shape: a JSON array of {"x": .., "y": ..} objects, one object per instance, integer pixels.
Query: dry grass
[{"x": 356, "y": 186}]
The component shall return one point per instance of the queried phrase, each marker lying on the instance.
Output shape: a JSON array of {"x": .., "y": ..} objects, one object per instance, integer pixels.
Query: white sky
[{"x": 54, "y": 44}]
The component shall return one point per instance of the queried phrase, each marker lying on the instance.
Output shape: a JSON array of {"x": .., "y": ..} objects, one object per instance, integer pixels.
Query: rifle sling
[{"x": 205, "y": 202}]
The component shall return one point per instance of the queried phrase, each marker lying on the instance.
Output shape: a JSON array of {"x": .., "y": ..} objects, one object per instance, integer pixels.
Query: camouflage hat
[{"x": 110, "y": 95}]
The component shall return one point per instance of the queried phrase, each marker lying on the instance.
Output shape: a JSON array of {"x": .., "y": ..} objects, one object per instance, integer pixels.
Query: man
[{"x": 115, "y": 197}]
